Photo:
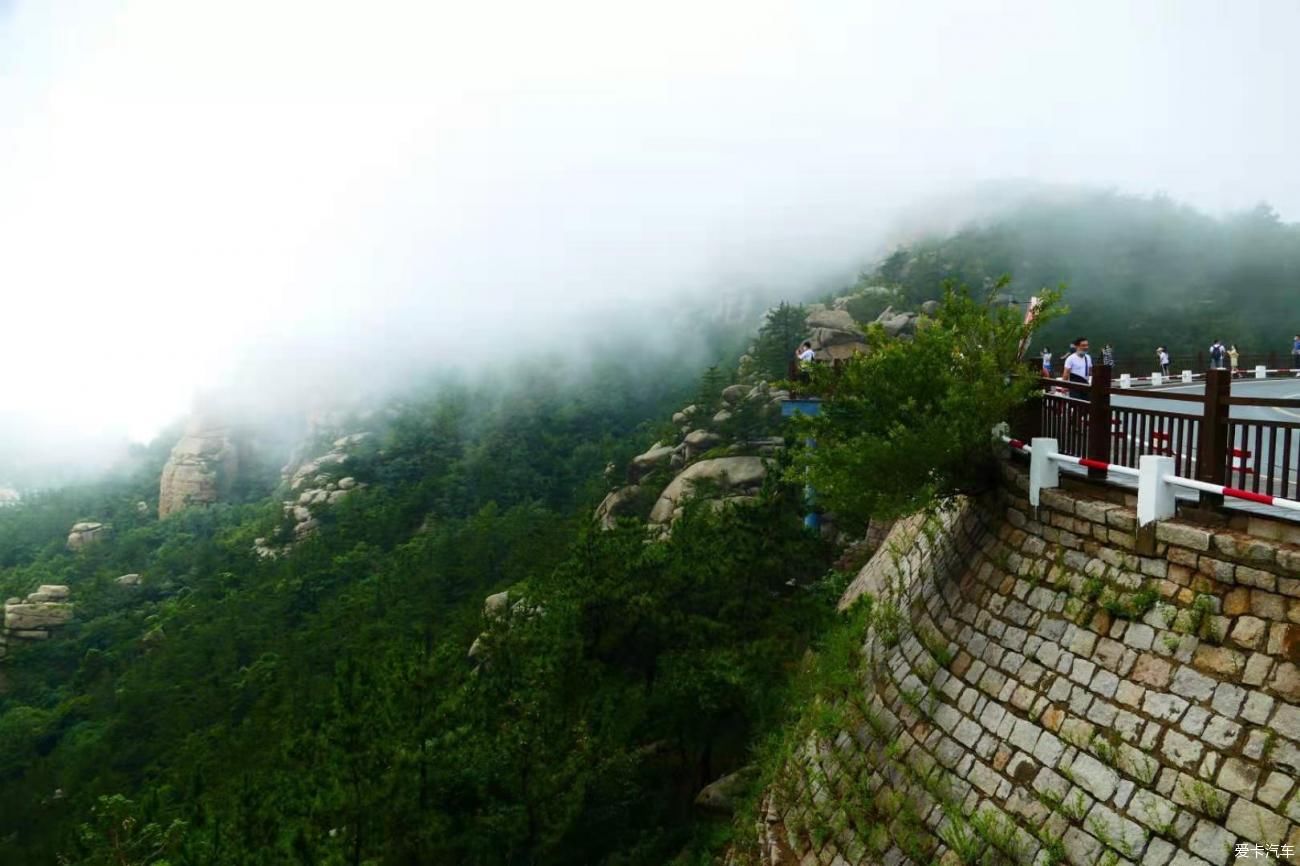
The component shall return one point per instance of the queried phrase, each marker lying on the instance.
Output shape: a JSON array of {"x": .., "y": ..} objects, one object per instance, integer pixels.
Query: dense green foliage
[
  {"x": 1142, "y": 272},
  {"x": 320, "y": 708},
  {"x": 781, "y": 333},
  {"x": 908, "y": 424}
]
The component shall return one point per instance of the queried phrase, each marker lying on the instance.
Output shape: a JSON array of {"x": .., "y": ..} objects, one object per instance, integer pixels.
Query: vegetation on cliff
[
  {"x": 319, "y": 707},
  {"x": 909, "y": 424}
]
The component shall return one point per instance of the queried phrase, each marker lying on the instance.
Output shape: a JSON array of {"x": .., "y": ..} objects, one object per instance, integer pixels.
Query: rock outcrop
[
  {"x": 201, "y": 468},
  {"x": 643, "y": 464},
  {"x": 87, "y": 533},
  {"x": 721, "y": 795},
  {"x": 834, "y": 334},
  {"x": 734, "y": 477},
  {"x": 618, "y": 503},
  {"x": 897, "y": 324},
  {"x": 35, "y": 617},
  {"x": 313, "y": 483}
]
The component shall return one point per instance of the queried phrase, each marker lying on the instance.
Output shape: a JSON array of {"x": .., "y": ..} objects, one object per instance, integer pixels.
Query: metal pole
[
  {"x": 1212, "y": 450},
  {"x": 1099, "y": 429}
]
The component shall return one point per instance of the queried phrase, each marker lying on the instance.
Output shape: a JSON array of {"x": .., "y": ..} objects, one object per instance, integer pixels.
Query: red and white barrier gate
[{"x": 1156, "y": 480}]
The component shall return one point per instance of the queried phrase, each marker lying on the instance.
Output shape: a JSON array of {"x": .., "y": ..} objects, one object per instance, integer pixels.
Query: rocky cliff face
[
  {"x": 710, "y": 448},
  {"x": 1056, "y": 686},
  {"x": 202, "y": 466},
  {"x": 314, "y": 483},
  {"x": 35, "y": 617}
]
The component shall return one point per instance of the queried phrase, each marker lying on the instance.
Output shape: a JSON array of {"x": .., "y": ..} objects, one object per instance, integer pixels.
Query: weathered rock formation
[
  {"x": 87, "y": 533},
  {"x": 736, "y": 478},
  {"x": 1050, "y": 685},
  {"x": 201, "y": 468},
  {"x": 895, "y": 323},
  {"x": 834, "y": 334},
  {"x": 618, "y": 503},
  {"x": 314, "y": 483},
  {"x": 721, "y": 795},
  {"x": 496, "y": 608},
  {"x": 34, "y": 618},
  {"x": 655, "y": 456}
]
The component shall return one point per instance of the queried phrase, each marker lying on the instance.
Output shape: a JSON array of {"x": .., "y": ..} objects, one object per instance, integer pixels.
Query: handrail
[
  {"x": 1280, "y": 403},
  {"x": 1158, "y": 395},
  {"x": 1078, "y": 387}
]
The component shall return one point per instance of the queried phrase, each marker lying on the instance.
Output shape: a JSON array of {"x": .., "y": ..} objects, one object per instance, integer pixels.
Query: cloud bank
[{"x": 297, "y": 192}]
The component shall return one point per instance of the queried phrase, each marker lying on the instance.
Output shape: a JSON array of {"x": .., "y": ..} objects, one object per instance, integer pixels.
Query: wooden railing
[{"x": 1102, "y": 423}]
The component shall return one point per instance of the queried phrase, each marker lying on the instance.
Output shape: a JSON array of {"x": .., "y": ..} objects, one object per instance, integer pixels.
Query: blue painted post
[{"x": 806, "y": 406}]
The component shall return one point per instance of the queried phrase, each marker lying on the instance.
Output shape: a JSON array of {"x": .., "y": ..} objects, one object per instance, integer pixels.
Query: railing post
[
  {"x": 1212, "y": 449},
  {"x": 1043, "y": 470},
  {"x": 1155, "y": 495},
  {"x": 1099, "y": 429}
]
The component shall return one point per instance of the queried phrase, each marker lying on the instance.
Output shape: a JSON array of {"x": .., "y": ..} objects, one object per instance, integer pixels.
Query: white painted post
[
  {"x": 1187, "y": 376},
  {"x": 1155, "y": 495},
  {"x": 1125, "y": 380},
  {"x": 1043, "y": 472},
  {"x": 1261, "y": 372},
  {"x": 1157, "y": 380}
]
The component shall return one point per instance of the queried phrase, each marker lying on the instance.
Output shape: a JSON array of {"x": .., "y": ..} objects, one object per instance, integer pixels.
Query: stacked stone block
[{"x": 1068, "y": 689}]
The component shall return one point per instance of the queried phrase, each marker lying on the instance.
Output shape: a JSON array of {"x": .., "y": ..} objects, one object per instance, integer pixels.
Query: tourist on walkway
[
  {"x": 1162, "y": 355},
  {"x": 1107, "y": 356},
  {"x": 1216, "y": 355},
  {"x": 1047, "y": 363},
  {"x": 1295, "y": 354},
  {"x": 1233, "y": 356},
  {"x": 1078, "y": 367}
]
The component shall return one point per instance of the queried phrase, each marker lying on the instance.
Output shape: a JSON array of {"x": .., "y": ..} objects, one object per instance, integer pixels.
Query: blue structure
[{"x": 805, "y": 406}]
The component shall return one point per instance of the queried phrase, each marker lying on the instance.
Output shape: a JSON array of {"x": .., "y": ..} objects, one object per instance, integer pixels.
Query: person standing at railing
[
  {"x": 1107, "y": 356},
  {"x": 1078, "y": 366},
  {"x": 1162, "y": 355},
  {"x": 1047, "y": 363},
  {"x": 1295, "y": 354},
  {"x": 1233, "y": 357},
  {"x": 1216, "y": 355}
]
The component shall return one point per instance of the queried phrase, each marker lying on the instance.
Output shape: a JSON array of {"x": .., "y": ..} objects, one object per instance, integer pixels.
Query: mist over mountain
[
  {"x": 496, "y": 433},
  {"x": 197, "y": 198}
]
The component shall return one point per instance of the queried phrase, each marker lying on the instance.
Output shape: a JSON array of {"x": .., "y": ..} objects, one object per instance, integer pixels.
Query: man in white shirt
[{"x": 1078, "y": 366}]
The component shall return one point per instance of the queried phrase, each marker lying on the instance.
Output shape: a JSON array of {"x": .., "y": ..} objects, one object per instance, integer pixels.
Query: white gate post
[
  {"x": 1187, "y": 376},
  {"x": 1155, "y": 495},
  {"x": 1157, "y": 380},
  {"x": 1043, "y": 471},
  {"x": 1125, "y": 380},
  {"x": 1261, "y": 372}
]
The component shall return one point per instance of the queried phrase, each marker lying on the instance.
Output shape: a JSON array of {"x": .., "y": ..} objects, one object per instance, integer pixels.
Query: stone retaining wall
[{"x": 1065, "y": 688}]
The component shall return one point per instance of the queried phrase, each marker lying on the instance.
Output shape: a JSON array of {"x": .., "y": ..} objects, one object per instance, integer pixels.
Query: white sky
[{"x": 190, "y": 190}]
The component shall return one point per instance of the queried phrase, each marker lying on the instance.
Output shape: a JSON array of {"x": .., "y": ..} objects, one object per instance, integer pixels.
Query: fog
[{"x": 289, "y": 197}]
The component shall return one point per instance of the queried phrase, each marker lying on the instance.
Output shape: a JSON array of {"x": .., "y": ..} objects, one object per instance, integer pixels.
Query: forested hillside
[
  {"x": 329, "y": 687},
  {"x": 320, "y": 706},
  {"x": 1141, "y": 272}
]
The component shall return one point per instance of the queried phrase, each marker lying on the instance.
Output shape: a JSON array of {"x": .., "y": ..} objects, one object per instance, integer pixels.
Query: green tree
[
  {"x": 117, "y": 836},
  {"x": 781, "y": 333},
  {"x": 908, "y": 425}
]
